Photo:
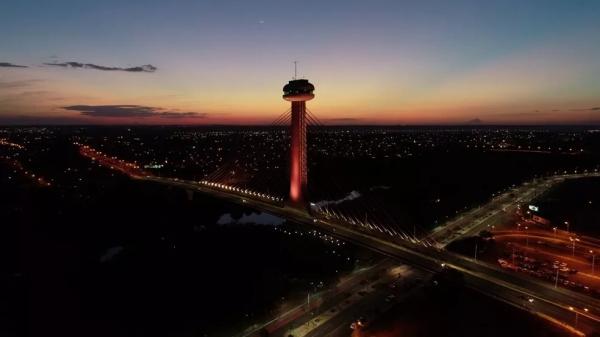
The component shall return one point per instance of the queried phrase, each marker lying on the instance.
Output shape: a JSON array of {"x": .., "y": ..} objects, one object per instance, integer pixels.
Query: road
[
  {"x": 369, "y": 300},
  {"x": 490, "y": 214},
  {"x": 322, "y": 300},
  {"x": 376, "y": 303}
]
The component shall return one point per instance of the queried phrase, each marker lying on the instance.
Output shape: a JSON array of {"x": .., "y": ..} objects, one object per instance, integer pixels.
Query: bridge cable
[
  {"x": 226, "y": 166},
  {"x": 368, "y": 203}
]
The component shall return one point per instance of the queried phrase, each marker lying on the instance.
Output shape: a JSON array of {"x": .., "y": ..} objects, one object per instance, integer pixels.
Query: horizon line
[{"x": 324, "y": 125}]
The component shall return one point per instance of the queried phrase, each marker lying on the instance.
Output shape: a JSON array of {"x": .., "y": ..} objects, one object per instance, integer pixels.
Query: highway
[
  {"x": 484, "y": 217},
  {"x": 372, "y": 305},
  {"x": 367, "y": 299},
  {"x": 321, "y": 302}
]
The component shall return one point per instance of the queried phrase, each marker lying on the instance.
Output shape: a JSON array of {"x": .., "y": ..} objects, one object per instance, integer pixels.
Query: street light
[
  {"x": 513, "y": 255},
  {"x": 567, "y": 223},
  {"x": 573, "y": 240}
]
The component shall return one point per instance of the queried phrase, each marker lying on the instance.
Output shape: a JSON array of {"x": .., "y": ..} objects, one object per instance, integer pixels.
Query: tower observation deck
[{"x": 298, "y": 91}]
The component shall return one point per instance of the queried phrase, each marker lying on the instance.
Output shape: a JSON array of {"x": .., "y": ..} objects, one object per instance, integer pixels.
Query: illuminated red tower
[{"x": 298, "y": 92}]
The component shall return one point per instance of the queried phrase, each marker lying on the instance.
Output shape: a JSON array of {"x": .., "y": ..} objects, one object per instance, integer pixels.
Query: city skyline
[{"x": 372, "y": 63}]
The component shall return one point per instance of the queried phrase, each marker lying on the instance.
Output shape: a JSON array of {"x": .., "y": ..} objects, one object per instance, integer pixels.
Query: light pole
[
  {"x": 554, "y": 229},
  {"x": 567, "y": 223},
  {"x": 526, "y": 237},
  {"x": 576, "y": 315},
  {"x": 556, "y": 279},
  {"x": 475, "y": 251},
  {"x": 593, "y": 261},
  {"x": 513, "y": 256}
]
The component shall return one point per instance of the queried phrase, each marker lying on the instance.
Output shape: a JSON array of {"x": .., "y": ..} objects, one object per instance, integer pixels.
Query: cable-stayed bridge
[{"x": 366, "y": 223}]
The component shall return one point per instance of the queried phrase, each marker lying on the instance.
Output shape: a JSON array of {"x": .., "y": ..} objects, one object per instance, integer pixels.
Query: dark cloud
[
  {"x": 136, "y": 111},
  {"x": 148, "y": 68},
  {"x": 596, "y": 108},
  {"x": 474, "y": 121},
  {"x": 23, "y": 96},
  {"x": 342, "y": 120},
  {"x": 11, "y": 65},
  {"x": 18, "y": 84},
  {"x": 41, "y": 120},
  {"x": 519, "y": 114}
]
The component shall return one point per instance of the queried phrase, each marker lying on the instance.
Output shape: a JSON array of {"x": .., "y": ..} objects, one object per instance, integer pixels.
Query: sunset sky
[{"x": 372, "y": 62}]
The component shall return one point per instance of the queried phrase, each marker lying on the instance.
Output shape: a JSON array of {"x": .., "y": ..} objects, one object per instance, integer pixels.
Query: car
[{"x": 362, "y": 322}]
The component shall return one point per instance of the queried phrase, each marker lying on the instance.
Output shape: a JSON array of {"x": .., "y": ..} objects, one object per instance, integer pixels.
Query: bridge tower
[{"x": 298, "y": 91}]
